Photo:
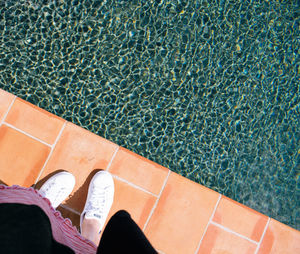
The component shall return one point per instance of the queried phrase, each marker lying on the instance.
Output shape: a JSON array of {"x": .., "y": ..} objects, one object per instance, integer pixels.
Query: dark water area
[{"x": 208, "y": 89}]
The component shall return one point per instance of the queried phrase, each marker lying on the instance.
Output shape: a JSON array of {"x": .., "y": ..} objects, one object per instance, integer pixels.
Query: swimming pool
[{"x": 209, "y": 89}]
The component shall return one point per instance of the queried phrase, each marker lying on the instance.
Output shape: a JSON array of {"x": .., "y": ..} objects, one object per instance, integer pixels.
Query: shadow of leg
[
  {"x": 40, "y": 183},
  {"x": 77, "y": 200},
  {"x": 1, "y": 182},
  {"x": 72, "y": 207}
]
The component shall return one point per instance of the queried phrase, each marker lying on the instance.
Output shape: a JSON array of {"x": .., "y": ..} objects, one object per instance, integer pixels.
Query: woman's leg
[
  {"x": 27, "y": 229},
  {"x": 123, "y": 235}
]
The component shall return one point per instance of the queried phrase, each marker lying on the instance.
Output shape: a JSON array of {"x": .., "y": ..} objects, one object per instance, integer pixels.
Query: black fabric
[
  {"x": 27, "y": 229},
  {"x": 123, "y": 235}
]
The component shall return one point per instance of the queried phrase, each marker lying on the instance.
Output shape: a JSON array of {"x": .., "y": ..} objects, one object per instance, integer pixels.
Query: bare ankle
[{"x": 90, "y": 230}]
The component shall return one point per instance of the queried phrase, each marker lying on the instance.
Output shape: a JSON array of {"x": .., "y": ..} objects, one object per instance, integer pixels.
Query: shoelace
[
  {"x": 55, "y": 192},
  {"x": 97, "y": 200}
]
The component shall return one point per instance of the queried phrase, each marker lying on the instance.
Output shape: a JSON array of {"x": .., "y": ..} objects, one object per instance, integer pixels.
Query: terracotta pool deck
[{"x": 176, "y": 214}]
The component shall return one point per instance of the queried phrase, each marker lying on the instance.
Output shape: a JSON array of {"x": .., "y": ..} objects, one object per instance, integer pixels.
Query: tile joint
[
  {"x": 233, "y": 232},
  {"x": 263, "y": 235},
  {"x": 157, "y": 200},
  {"x": 27, "y": 134},
  {"x": 70, "y": 209},
  {"x": 210, "y": 219},
  {"x": 133, "y": 185},
  {"x": 112, "y": 158},
  {"x": 51, "y": 152},
  {"x": 9, "y": 108}
]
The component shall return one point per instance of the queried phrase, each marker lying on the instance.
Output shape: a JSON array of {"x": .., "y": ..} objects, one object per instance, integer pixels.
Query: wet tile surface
[
  {"x": 218, "y": 241},
  {"x": 280, "y": 238},
  {"x": 5, "y": 101},
  {"x": 139, "y": 170},
  {"x": 21, "y": 157},
  {"x": 181, "y": 215},
  {"x": 35, "y": 121},
  {"x": 240, "y": 219}
]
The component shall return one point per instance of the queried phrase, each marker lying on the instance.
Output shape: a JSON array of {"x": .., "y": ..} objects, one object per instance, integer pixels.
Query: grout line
[
  {"x": 129, "y": 183},
  {"x": 263, "y": 235},
  {"x": 9, "y": 108},
  {"x": 210, "y": 220},
  {"x": 133, "y": 185},
  {"x": 70, "y": 209},
  {"x": 157, "y": 200},
  {"x": 112, "y": 158},
  {"x": 233, "y": 232},
  {"x": 27, "y": 134},
  {"x": 50, "y": 154}
]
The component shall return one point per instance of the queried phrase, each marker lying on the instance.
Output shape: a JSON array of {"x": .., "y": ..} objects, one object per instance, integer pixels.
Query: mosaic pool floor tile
[
  {"x": 35, "y": 121},
  {"x": 139, "y": 170},
  {"x": 21, "y": 157}
]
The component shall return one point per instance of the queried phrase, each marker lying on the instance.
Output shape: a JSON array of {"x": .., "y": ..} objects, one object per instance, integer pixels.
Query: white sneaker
[
  {"x": 58, "y": 187},
  {"x": 99, "y": 199}
]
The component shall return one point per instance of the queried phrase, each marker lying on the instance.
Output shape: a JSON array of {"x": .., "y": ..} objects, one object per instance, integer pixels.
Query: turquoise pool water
[{"x": 209, "y": 89}]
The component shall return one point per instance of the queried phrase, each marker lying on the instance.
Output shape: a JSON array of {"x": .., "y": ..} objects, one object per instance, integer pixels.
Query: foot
[
  {"x": 99, "y": 201},
  {"x": 90, "y": 230},
  {"x": 58, "y": 187}
]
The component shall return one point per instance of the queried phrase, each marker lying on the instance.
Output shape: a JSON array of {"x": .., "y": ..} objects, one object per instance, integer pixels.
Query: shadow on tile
[
  {"x": 40, "y": 183},
  {"x": 76, "y": 199},
  {"x": 75, "y": 218},
  {"x": 1, "y": 182}
]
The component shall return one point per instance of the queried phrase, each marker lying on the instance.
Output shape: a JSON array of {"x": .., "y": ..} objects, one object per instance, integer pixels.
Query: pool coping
[{"x": 162, "y": 202}]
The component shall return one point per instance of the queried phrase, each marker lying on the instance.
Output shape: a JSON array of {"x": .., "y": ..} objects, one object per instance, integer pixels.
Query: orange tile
[
  {"x": 80, "y": 152},
  {"x": 21, "y": 157},
  {"x": 217, "y": 240},
  {"x": 5, "y": 101},
  {"x": 181, "y": 215},
  {"x": 35, "y": 121},
  {"x": 280, "y": 238},
  {"x": 240, "y": 219},
  {"x": 138, "y": 170},
  {"x": 136, "y": 202}
]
